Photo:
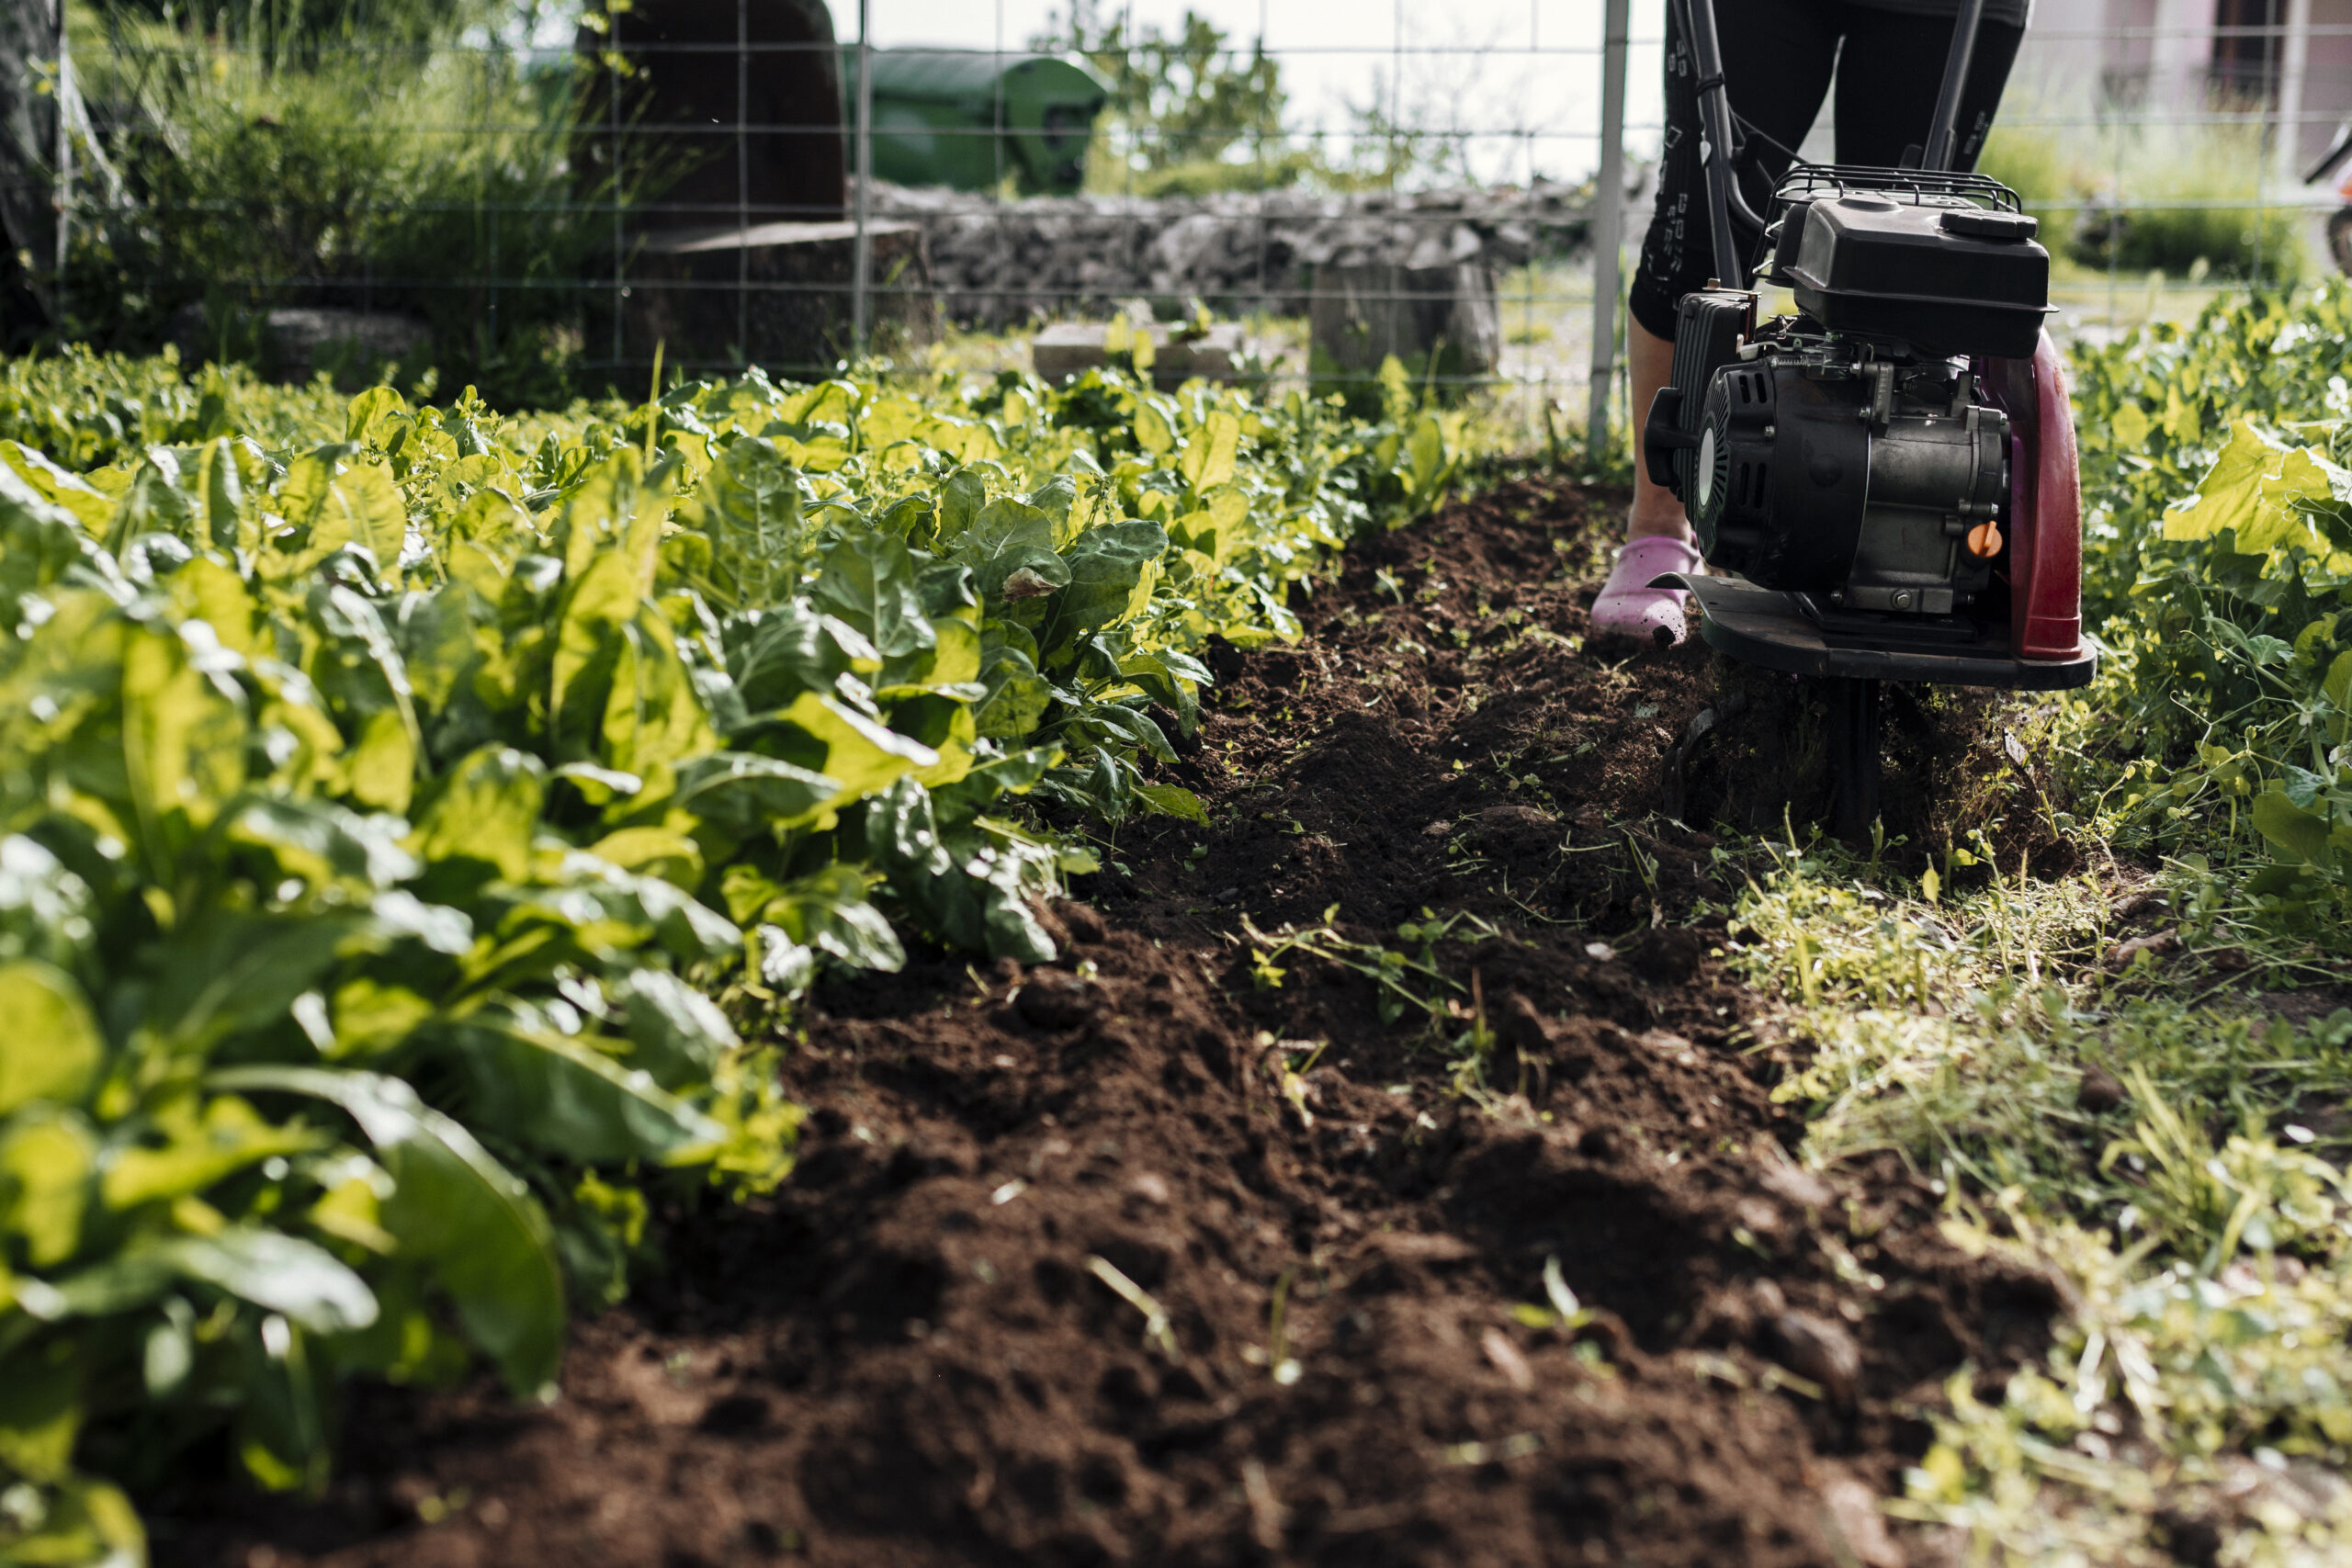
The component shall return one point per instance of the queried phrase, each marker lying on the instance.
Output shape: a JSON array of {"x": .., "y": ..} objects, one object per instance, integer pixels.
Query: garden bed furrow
[{"x": 1176, "y": 1251}]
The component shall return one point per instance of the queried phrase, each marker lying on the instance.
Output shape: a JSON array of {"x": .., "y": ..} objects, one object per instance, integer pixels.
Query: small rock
[
  {"x": 1053, "y": 1000},
  {"x": 1666, "y": 1042},
  {"x": 1796, "y": 1184},
  {"x": 1437, "y": 829},
  {"x": 2100, "y": 1091},
  {"x": 1855, "y": 1518},
  {"x": 1228, "y": 896},
  {"x": 1151, "y": 1187},
  {"x": 1599, "y": 952},
  {"x": 1821, "y": 1351},
  {"x": 2160, "y": 943}
]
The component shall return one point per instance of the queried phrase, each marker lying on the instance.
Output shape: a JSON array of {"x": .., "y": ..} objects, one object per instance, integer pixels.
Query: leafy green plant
[
  {"x": 81, "y": 410},
  {"x": 2195, "y": 204},
  {"x": 381, "y": 812},
  {"x": 2218, "y": 570}
]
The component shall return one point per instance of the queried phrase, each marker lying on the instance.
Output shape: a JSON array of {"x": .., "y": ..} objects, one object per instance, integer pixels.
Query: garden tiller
[{"x": 1885, "y": 481}]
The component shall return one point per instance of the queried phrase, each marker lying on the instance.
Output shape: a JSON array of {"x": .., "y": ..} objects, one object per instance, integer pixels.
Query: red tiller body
[{"x": 2044, "y": 559}]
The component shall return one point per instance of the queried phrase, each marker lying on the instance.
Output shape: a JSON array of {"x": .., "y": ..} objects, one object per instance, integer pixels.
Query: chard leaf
[
  {"x": 455, "y": 1207},
  {"x": 860, "y": 754},
  {"x": 51, "y": 1048},
  {"x": 679, "y": 1034},
  {"x": 48, "y": 1160},
  {"x": 869, "y": 581},
  {"x": 1111, "y": 570},
  {"x": 277, "y": 1272},
  {"x": 741, "y": 793},
  {"x": 486, "y": 811},
  {"x": 554, "y": 1093},
  {"x": 829, "y": 911}
]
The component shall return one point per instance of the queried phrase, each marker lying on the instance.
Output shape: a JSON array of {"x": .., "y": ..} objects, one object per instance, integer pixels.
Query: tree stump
[
  {"x": 1361, "y": 315},
  {"x": 777, "y": 295}
]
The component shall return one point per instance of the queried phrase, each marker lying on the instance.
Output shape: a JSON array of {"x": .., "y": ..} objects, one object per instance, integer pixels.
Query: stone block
[
  {"x": 1362, "y": 314},
  {"x": 1068, "y": 348}
]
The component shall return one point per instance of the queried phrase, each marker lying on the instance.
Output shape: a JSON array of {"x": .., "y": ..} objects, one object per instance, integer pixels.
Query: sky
[{"x": 1519, "y": 78}]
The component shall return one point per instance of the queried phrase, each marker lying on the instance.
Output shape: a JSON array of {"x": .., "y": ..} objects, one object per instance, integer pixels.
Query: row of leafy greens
[
  {"x": 379, "y": 815},
  {"x": 2218, "y": 571}
]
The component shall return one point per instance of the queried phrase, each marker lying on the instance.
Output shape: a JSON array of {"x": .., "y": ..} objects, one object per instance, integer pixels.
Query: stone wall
[{"x": 1002, "y": 264}]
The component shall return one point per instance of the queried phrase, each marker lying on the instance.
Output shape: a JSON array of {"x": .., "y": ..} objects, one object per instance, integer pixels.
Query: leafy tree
[{"x": 1189, "y": 110}]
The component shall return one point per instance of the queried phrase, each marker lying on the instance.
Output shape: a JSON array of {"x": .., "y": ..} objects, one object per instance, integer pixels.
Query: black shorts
[{"x": 1779, "y": 56}]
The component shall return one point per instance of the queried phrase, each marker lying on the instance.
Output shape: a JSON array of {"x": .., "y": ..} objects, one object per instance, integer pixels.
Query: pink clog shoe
[{"x": 1629, "y": 606}]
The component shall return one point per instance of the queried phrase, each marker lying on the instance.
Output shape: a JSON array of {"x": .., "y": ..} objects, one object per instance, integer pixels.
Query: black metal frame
[
  {"x": 1920, "y": 188},
  {"x": 1720, "y": 127}
]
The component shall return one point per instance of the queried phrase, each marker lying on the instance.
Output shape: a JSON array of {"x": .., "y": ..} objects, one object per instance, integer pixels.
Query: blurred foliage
[
  {"x": 1190, "y": 112},
  {"x": 2218, "y": 571},
  {"x": 392, "y": 789},
  {"x": 428, "y": 182},
  {"x": 1194, "y": 112},
  {"x": 2180, "y": 198}
]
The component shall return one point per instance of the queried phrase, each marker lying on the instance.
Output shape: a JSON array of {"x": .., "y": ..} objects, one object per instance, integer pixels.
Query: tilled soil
[{"x": 1177, "y": 1252}]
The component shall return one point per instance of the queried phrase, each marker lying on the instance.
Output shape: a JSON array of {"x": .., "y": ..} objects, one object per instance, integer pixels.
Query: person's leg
[
  {"x": 1889, "y": 76},
  {"x": 1649, "y": 364},
  {"x": 1778, "y": 56}
]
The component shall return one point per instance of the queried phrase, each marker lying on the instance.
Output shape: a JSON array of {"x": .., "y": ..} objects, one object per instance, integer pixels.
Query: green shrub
[
  {"x": 2191, "y": 198},
  {"x": 431, "y": 182},
  {"x": 2143, "y": 198}
]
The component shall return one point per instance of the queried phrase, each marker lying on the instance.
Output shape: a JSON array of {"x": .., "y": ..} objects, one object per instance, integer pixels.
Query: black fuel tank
[{"x": 1946, "y": 279}]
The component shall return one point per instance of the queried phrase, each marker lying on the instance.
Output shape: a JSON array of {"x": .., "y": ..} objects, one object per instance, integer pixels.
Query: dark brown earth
[{"x": 1176, "y": 1252}]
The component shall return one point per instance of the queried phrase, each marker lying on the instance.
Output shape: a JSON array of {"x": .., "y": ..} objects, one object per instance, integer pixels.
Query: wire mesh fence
[{"x": 548, "y": 201}]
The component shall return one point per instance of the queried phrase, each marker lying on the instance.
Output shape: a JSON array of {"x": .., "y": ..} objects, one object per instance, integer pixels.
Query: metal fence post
[
  {"x": 62, "y": 194},
  {"x": 1608, "y": 221},
  {"x": 742, "y": 182},
  {"x": 862, "y": 256},
  {"x": 2294, "y": 66}
]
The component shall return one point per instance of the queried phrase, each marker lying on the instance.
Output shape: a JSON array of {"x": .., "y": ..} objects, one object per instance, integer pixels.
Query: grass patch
[
  {"x": 2167, "y": 1142},
  {"x": 2125, "y": 1073}
]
